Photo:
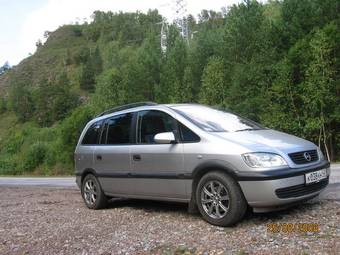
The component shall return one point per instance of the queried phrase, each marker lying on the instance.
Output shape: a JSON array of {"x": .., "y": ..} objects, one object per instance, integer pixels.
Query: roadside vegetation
[{"x": 277, "y": 63}]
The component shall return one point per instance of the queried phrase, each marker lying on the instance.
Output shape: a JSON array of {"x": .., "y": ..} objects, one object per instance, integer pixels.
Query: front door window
[{"x": 154, "y": 122}]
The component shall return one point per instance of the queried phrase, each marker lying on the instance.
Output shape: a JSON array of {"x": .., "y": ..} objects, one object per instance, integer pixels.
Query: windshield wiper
[{"x": 248, "y": 129}]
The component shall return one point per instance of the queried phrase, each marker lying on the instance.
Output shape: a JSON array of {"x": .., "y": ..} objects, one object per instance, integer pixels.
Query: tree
[
  {"x": 213, "y": 89},
  {"x": 53, "y": 100},
  {"x": 38, "y": 44},
  {"x": 299, "y": 17},
  {"x": 172, "y": 72},
  {"x": 47, "y": 34},
  {"x": 87, "y": 77},
  {"x": 80, "y": 55},
  {"x": 188, "y": 88},
  {"x": 283, "y": 111},
  {"x": 146, "y": 70},
  {"x": 207, "y": 41},
  {"x": 96, "y": 61},
  {"x": 21, "y": 101},
  {"x": 320, "y": 87},
  {"x": 110, "y": 90},
  {"x": 5, "y": 68},
  {"x": 92, "y": 66},
  {"x": 65, "y": 100}
]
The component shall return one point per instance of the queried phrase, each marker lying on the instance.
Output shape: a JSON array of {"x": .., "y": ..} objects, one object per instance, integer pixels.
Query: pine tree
[
  {"x": 213, "y": 89},
  {"x": 320, "y": 87}
]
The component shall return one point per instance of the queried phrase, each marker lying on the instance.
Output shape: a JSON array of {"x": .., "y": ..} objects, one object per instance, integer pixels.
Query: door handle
[
  {"x": 136, "y": 157},
  {"x": 99, "y": 157}
]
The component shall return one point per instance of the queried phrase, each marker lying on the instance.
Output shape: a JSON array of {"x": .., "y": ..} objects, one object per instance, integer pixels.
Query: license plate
[{"x": 316, "y": 176}]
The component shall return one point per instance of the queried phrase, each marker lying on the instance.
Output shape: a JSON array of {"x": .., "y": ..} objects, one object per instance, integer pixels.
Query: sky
[{"x": 23, "y": 22}]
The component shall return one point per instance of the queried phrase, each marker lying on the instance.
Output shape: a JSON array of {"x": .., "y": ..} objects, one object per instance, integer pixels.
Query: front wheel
[
  {"x": 220, "y": 199},
  {"x": 92, "y": 193}
]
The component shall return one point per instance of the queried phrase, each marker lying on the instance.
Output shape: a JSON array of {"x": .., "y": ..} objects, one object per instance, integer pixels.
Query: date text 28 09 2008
[{"x": 293, "y": 227}]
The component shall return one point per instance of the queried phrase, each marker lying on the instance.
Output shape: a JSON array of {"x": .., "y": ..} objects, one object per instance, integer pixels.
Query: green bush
[
  {"x": 35, "y": 156},
  {"x": 44, "y": 150},
  {"x": 13, "y": 143},
  {"x": 3, "y": 105},
  {"x": 51, "y": 154},
  {"x": 72, "y": 126},
  {"x": 8, "y": 166},
  {"x": 80, "y": 55}
]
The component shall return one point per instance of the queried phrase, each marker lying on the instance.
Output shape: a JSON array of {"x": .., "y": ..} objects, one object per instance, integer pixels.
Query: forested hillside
[{"x": 277, "y": 63}]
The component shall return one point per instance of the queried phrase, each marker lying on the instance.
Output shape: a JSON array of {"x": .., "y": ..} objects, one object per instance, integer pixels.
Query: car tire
[
  {"x": 92, "y": 193},
  {"x": 220, "y": 199}
]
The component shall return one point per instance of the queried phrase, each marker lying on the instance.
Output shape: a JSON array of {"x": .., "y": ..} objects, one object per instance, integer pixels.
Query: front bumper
[{"x": 280, "y": 187}]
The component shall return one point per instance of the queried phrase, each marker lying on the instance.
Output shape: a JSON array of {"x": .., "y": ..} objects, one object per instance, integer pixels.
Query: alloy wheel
[
  {"x": 90, "y": 192},
  {"x": 215, "y": 199}
]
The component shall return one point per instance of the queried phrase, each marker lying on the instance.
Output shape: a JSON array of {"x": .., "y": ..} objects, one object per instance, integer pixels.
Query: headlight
[
  {"x": 263, "y": 160},
  {"x": 321, "y": 156}
]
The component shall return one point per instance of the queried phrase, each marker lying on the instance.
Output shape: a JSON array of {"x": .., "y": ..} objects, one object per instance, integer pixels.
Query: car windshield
[{"x": 213, "y": 120}]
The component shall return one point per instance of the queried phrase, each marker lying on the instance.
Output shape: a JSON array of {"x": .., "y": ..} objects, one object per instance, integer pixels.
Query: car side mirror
[{"x": 165, "y": 138}]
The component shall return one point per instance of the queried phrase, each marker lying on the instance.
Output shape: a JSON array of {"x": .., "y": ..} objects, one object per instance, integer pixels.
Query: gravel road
[{"x": 54, "y": 220}]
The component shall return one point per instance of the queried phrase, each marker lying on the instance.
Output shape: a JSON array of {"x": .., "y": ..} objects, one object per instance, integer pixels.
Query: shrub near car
[{"x": 214, "y": 160}]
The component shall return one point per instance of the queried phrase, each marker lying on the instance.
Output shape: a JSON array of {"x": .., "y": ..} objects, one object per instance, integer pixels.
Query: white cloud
[{"x": 59, "y": 12}]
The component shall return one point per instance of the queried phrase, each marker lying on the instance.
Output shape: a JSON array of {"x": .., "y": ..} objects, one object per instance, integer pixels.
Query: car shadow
[
  {"x": 148, "y": 205},
  {"x": 292, "y": 212},
  {"x": 152, "y": 206}
]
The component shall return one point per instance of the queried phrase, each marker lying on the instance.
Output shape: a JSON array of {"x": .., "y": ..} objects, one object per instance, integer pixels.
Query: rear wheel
[
  {"x": 92, "y": 193},
  {"x": 220, "y": 199}
]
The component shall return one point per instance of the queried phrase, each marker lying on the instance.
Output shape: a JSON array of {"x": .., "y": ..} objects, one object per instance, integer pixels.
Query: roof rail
[{"x": 125, "y": 107}]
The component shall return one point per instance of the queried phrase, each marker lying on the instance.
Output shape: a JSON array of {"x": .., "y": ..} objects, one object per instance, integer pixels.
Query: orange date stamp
[{"x": 293, "y": 227}]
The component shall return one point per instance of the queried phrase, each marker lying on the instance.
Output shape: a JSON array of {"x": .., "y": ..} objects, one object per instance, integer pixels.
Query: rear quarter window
[
  {"x": 118, "y": 130},
  {"x": 92, "y": 134}
]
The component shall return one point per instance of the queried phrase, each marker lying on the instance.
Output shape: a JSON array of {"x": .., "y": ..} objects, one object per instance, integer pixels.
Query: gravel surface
[{"x": 47, "y": 220}]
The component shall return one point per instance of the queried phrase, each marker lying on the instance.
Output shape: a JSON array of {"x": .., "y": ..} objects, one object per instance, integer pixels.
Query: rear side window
[
  {"x": 92, "y": 134},
  {"x": 187, "y": 136},
  {"x": 118, "y": 130}
]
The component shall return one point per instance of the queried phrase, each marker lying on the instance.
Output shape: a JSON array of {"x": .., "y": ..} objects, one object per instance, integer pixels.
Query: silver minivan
[{"x": 216, "y": 161}]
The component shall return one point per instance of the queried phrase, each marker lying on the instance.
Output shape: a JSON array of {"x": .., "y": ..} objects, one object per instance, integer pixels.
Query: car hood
[{"x": 267, "y": 140}]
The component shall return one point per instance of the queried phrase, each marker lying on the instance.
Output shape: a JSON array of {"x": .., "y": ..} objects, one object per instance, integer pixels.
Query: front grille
[
  {"x": 301, "y": 189},
  {"x": 299, "y": 157}
]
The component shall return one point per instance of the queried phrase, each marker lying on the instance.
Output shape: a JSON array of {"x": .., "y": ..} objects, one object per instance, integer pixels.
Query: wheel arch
[
  {"x": 206, "y": 167},
  {"x": 86, "y": 172}
]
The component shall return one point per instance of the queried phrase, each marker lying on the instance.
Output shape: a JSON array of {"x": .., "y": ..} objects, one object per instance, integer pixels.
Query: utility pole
[
  {"x": 181, "y": 18},
  {"x": 179, "y": 8},
  {"x": 164, "y": 33}
]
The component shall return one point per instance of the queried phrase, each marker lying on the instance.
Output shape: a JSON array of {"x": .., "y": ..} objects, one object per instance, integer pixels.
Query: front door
[{"x": 157, "y": 169}]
